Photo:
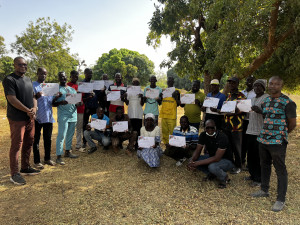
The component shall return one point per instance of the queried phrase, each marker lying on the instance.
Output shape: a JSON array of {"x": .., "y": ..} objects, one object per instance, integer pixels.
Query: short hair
[
  {"x": 88, "y": 71},
  {"x": 119, "y": 108},
  {"x": 40, "y": 69},
  {"x": 185, "y": 117},
  {"x": 74, "y": 73},
  {"x": 276, "y": 78},
  {"x": 197, "y": 81},
  {"x": 61, "y": 73},
  {"x": 100, "y": 108},
  {"x": 172, "y": 78},
  {"x": 117, "y": 74},
  {"x": 17, "y": 58},
  {"x": 209, "y": 121}
]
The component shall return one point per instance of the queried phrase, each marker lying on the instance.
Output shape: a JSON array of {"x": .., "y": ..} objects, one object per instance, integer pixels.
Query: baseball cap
[{"x": 215, "y": 81}]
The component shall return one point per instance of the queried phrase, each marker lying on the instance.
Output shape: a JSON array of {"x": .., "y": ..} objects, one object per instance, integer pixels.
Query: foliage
[
  {"x": 216, "y": 37},
  {"x": 2, "y": 47},
  {"x": 45, "y": 43},
  {"x": 6, "y": 66},
  {"x": 129, "y": 63},
  {"x": 180, "y": 82},
  {"x": 161, "y": 79}
]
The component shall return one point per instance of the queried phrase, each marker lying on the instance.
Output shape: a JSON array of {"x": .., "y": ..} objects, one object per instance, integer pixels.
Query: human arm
[{"x": 55, "y": 103}]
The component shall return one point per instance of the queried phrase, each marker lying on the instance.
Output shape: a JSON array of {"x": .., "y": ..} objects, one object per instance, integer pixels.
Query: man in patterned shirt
[{"x": 279, "y": 113}]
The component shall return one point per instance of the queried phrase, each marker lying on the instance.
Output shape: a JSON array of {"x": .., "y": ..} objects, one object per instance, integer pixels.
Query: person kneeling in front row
[
  {"x": 219, "y": 158},
  {"x": 99, "y": 135}
]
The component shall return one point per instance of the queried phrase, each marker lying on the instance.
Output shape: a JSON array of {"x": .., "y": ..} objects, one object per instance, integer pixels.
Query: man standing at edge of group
[
  {"x": 80, "y": 112},
  {"x": 212, "y": 113},
  {"x": 249, "y": 94},
  {"x": 21, "y": 111},
  {"x": 168, "y": 112},
  {"x": 66, "y": 119},
  {"x": 193, "y": 111},
  {"x": 151, "y": 105},
  {"x": 279, "y": 113},
  {"x": 234, "y": 124},
  {"x": 44, "y": 120}
]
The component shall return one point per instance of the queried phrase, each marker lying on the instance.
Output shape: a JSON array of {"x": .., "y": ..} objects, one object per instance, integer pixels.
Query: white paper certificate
[
  {"x": 74, "y": 98},
  {"x": 177, "y": 141},
  {"x": 98, "y": 84},
  {"x": 107, "y": 83},
  {"x": 113, "y": 96},
  {"x": 133, "y": 90},
  {"x": 211, "y": 102},
  {"x": 146, "y": 142},
  {"x": 168, "y": 92},
  {"x": 228, "y": 106},
  {"x": 187, "y": 98},
  {"x": 244, "y": 105},
  {"x": 120, "y": 126},
  {"x": 98, "y": 124},
  {"x": 152, "y": 93},
  {"x": 50, "y": 89},
  {"x": 85, "y": 87}
]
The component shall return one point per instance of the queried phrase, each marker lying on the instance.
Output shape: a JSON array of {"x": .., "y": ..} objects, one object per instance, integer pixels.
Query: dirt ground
[{"x": 108, "y": 188}]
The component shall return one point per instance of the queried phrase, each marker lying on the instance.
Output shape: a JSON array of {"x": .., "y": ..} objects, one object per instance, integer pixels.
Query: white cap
[
  {"x": 149, "y": 115},
  {"x": 215, "y": 81}
]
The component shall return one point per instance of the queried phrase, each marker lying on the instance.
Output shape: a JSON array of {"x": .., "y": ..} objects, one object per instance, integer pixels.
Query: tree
[
  {"x": 129, "y": 63},
  {"x": 2, "y": 47},
  {"x": 180, "y": 82},
  {"x": 6, "y": 66},
  {"x": 45, "y": 43},
  {"x": 213, "y": 37}
]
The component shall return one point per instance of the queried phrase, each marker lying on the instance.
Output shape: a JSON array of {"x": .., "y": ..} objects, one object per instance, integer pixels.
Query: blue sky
[{"x": 99, "y": 25}]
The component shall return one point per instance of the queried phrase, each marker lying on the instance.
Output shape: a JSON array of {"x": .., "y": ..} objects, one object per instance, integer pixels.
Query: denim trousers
[
  {"x": 90, "y": 135},
  {"x": 66, "y": 131},
  {"x": 276, "y": 154},
  {"x": 47, "y": 133},
  {"x": 219, "y": 169}
]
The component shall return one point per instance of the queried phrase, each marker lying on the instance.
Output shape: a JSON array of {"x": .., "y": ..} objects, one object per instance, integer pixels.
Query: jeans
[
  {"x": 235, "y": 140},
  {"x": 66, "y": 131},
  {"x": 275, "y": 154},
  {"x": 47, "y": 133},
  {"x": 218, "y": 169},
  {"x": 21, "y": 135},
  {"x": 253, "y": 159},
  {"x": 90, "y": 135},
  {"x": 86, "y": 116}
]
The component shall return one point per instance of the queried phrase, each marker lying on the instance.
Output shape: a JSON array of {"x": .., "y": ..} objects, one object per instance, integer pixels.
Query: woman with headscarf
[{"x": 152, "y": 154}]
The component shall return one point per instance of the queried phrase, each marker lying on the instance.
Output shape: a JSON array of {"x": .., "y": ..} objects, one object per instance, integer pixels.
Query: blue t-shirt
[
  {"x": 66, "y": 113},
  {"x": 151, "y": 104},
  {"x": 44, "y": 113}
]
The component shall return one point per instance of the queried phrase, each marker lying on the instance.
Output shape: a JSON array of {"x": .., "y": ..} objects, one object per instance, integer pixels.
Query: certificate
[
  {"x": 98, "y": 85},
  {"x": 113, "y": 96},
  {"x": 112, "y": 88},
  {"x": 244, "y": 105},
  {"x": 120, "y": 126},
  {"x": 74, "y": 98},
  {"x": 152, "y": 93},
  {"x": 85, "y": 87},
  {"x": 146, "y": 142},
  {"x": 177, "y": 141},
  {"x": 107, "y": 83},
  {"x": 98, "y": 124},
  {"x": 211, "y": 102},
  {"x": 187, "y": 98},
  {"x": 50, "y": 89},
  {"x": 228, "y": 106},
  {"x": 134, "y": 90},
  {"x": 168, "y": 92}
]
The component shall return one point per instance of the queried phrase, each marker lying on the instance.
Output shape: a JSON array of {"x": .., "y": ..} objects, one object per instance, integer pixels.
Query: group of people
[{"x": 260, "y": 136}]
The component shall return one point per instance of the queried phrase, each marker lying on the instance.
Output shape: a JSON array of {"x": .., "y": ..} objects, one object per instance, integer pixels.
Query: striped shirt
[
  {"x": 44, "y": 113},
  {"x": 191, "y": 134}
]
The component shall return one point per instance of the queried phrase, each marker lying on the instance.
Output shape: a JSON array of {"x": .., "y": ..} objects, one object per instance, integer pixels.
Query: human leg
[
  {"x": 244, "y": 142},
  {"x": 61, "y": 135},
  {"x": 219, "y": 169},
  {"x": 47, "y": 134},
  {"x": 236, "y": 140},
  {"x": 79, "y": 130},
  {"x": 265, "y": 163},
  {"x": 37, "y": 136},
  {"x": 27, "y": 144},
  {"x": 88, "y": 137},
  {"x": 253, "y": 159},
  {"x": 70, "y": 134},
  {"x": 164, "y": 130}
]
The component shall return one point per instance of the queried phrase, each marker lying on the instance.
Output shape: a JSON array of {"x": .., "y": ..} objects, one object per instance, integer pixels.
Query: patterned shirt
[
  {"x": 191, "y": 134},
  {"x": 276, "y": 111},
  {"x": 235, "y": 122},
  {"x": 44, "y": 113}
]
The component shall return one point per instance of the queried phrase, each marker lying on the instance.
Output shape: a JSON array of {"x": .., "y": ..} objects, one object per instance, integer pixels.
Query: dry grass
[{"x": 104, "y": 188}]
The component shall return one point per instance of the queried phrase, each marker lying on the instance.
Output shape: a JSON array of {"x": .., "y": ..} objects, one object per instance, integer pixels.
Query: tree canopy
[
  {"x": 233, "y": 37},
  {"x": 129, "y": 63},
  {"x": 45, "y": 43}
]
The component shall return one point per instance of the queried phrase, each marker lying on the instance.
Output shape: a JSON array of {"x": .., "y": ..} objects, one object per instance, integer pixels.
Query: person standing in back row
[{"x": 21, "y": 112}]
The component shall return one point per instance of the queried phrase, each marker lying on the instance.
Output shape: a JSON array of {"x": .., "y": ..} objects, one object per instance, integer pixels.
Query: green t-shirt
[{"x": 193, "y": 111}]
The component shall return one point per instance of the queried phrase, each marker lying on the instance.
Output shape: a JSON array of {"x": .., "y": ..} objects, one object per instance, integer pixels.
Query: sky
[{"x": 99, "y": 26}]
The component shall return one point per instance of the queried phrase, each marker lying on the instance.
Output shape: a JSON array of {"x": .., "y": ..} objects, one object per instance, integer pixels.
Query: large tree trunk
[{"x": 208, "y": 78}]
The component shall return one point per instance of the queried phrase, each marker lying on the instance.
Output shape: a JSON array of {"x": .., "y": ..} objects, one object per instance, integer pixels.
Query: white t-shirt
[{"x": 135, "y": 110}]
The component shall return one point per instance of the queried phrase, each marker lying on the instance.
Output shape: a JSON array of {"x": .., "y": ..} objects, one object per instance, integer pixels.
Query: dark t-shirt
[
  {"x": 213, "y": 143},
  {"x": 21, "y": 87}
]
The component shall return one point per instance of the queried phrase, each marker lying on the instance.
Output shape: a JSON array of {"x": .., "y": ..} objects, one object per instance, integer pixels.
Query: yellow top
[{"x": 193, "y": 111}]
